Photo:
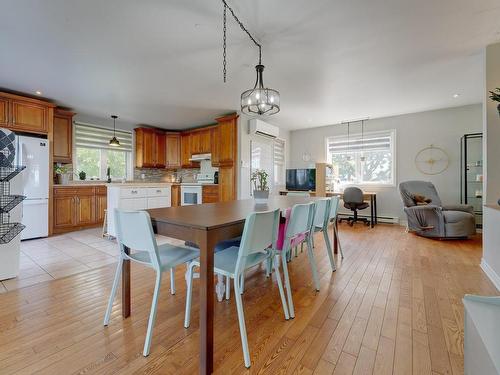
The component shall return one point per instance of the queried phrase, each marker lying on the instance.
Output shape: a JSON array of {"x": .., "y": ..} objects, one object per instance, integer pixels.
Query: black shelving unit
[
  {"x": 471, "y": 173},
  {"x": 8, "y": 201}
]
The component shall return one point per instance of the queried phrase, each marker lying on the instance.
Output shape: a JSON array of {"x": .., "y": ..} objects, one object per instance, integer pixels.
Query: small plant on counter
[
  {"x": 82, "y": 175},
  {"x": 62, "y": 173},
  {"x": 261, "y": 188},
  {"x": 495, "y": 96}
]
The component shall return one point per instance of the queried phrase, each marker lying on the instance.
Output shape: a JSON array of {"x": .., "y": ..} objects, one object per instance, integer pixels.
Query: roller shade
[
  {"x": 91, "y": 136},
  {"x": 279, "y": 152},
  {"x": 370, "y": 142}
]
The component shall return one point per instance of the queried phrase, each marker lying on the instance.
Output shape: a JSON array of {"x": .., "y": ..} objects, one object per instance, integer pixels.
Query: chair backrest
[
  {"x": 298, "y": 194},
  {"x": 334, "y": 206},
  {"x": 259, "y": 233},
  {"x": 353, "y": 194},
  {"x": 134, "y": 230},
  {"x": 322, "y": 213},
  {"x": 301, "y": 220},
  {"x": 408, "y": 189}
]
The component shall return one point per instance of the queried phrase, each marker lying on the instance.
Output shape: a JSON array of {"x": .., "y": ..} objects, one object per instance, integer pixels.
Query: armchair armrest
[
  {"x": 459, "y": 207},
  {"x": 425, "y": 218}
]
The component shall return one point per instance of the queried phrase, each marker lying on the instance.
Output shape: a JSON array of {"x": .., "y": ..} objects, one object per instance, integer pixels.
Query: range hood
[{"x": 200, "y": 157}]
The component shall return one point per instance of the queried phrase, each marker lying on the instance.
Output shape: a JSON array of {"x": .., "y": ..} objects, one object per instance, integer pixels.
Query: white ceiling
[{"x": 158, "y": 62}]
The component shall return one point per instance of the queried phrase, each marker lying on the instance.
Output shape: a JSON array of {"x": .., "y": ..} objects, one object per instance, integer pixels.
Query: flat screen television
[{"x": 301, "y": 179}]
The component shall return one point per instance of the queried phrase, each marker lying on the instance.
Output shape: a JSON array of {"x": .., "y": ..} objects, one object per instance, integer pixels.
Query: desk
[
  {"x": 205, "y": 225},
  {"x": 371, "y": 196}
]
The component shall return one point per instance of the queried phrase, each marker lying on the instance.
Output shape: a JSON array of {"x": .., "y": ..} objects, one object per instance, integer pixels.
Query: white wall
[
  {"x": 443, "y": 128},
  {"x": 244, "y": 160},
  {"x": 491, "y": 219}
]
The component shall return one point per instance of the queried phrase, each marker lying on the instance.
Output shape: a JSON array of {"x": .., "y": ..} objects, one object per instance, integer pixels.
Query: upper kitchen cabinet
[
  {"x": 186, "y": 151},
  {"x": 25, "y": 114},
  {"x": 173, "y": 141},
  {"x": 200, "y": 141},
  {"x": 150, "y": 148},
  {"x": 63, "y": 134},
  {"x": 227, "y": 140}
]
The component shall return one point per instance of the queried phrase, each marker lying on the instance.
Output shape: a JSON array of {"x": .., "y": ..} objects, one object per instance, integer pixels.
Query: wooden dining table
[{"x": 205, "y": 225}]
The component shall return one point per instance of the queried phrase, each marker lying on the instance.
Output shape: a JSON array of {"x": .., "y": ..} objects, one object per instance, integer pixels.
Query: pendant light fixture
[
  {"x": 114, "y": 141},
  {"x": 259, "y": 100}
]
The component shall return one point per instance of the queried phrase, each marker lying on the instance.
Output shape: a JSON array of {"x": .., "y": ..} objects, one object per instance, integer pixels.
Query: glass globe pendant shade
[{"x": 260, "y": 100}]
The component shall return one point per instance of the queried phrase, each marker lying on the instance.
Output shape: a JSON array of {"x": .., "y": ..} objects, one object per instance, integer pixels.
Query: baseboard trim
[{"x": 492, "y": 275}]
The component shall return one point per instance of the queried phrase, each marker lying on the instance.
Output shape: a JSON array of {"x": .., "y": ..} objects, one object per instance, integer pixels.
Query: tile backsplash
[{"x": 157, "y": 175}]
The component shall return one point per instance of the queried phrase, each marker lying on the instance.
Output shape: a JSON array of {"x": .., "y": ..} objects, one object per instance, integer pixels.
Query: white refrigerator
[{"x": 33, "y": 153}]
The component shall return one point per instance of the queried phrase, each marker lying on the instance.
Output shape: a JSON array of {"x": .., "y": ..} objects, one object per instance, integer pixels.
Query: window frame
[{"x": 392, "y": 134}]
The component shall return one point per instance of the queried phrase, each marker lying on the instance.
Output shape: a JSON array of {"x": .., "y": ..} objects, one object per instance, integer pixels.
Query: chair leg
[
  {"x": 152, "y": 315},
  {"x": 189, "y": 295},
  {"x": 287, "y": 285},
  {"x": 338, "y": 240},
  {"x": 172, "y": 280},
  {"x": 280, "y": 286},
  {"x": 296, "y": 251},
  {"x": 228, "y": 287},
  {"x": 312, "y": 239},
  {"x": 302, "y": 247},
  {"x": 241, "y": 320},
  {"x": 220, "y": 288},
  {"x": 113, "y": 291},
  {"x": 242, "y": 283},
  {"x": 329, "y": 250},
  {"x": 312, "y": 261}
]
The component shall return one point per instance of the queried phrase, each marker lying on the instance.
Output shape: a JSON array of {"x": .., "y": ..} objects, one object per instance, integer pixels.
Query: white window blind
[
  {"x": 90, "y": 136},
  {"x": 375, "y": 142},
  {"x": 279, "y": 161}
]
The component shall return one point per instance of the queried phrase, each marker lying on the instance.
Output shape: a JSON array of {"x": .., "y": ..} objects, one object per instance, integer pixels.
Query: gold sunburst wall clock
[{"x": 432, "y": 160}]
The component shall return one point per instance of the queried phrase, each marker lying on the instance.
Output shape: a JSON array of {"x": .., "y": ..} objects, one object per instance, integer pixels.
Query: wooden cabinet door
[
  {"x": 173, "y": 144},
  {"x": 227, "y": 145},
  {"x": 205, "y": 146},
  {"x": 101, "y": 204},
  {"x": 4, "y": 111},
  {"x": 144, "y": 148},
  {"x": 64, "y": 212},
  {"x": 85, "y": 209},
  {"x": 214, "y": 145},
  {"x": 160, "y": 150},
  {"x": 196, "y": 142},
  {"x": 63, "y": 135},
  {"x": 186, "y": 150},
  {"x": 29, "y": 116},
  {"x": 210, "y": 193},
  {"x": 176, "y": 196},
  {"x": 227, "y": 184}
]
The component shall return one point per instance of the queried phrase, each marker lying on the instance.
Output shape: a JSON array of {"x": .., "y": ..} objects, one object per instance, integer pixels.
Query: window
[
  {"x": 279, "y": 162},
  {"x": 363, "y": 160},
  {"x": 94, "y": 154}
]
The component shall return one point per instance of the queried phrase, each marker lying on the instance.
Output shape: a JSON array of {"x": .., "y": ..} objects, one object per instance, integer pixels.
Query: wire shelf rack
[
  {"x": 8, "y": 202},
  {"x": 8, "y": 173},
  {"x": 9, "y": 230}
]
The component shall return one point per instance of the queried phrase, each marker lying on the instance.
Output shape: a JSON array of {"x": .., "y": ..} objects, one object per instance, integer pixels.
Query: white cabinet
[{"x": 137, "y": 197}]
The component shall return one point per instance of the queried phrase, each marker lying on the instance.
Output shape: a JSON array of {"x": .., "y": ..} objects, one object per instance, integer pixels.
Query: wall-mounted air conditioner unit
[{"x": 264, "y": 129}]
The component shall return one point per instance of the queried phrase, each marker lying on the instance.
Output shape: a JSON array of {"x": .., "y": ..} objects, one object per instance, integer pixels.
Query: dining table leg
[
  {"x": 372, "y": 212},
  {"x": 206, "y": 243},
  {"x": 126, "y": 285}
]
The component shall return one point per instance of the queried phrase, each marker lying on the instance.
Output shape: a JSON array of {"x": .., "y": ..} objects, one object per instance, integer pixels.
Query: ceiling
[{"x": 159, "y": 62}]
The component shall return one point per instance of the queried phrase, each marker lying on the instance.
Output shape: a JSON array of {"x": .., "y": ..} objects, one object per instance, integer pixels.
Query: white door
[
  {"x": 159, "y": 202},
  {"x": 133, "y": 204},
  {"x": 33, "y": 153},
  {"x": 35, "y": 217}
]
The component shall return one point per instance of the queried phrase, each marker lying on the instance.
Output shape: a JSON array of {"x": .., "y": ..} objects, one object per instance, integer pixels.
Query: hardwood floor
[{"x": 392, "y": 307}]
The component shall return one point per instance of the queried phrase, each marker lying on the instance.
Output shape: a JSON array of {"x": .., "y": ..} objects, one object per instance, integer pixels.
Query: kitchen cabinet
[
  {"x": 20, "y": 113},
  {"x": 150, "y": 148},
  {"x": 63, "y": 136},
  {"x": 227, "y": 184},
  {"x": 76, "y": 207},
  {"x": 227, "y": 136},
  {"x": 176, "y": 195},
  {"x": 200, "y": 141},
  {"x": 173, "y": 157},
  {"x": 186, "y": 151},
  {"x": 210, "y": 193}
]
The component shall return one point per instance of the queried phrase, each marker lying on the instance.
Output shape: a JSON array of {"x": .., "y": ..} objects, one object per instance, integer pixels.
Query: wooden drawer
[
  {"x": 64, "y": 191},
  {"x": 158, "y": 192},
  {"x": 210, "y": 194},
  {"x": 133, "y": 192},
  {"x": 100, "y": 190}
]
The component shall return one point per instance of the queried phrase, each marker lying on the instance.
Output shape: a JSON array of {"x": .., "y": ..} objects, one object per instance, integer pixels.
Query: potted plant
[
  {"x": 261, "y": 189},
  {"x": 495, "y": 96},
  {"x": 62, "y": 175},
  {"x": 82, "y": 175}
]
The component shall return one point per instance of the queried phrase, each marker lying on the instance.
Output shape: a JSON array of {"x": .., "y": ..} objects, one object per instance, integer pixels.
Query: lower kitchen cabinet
[
  {"x": 176, "y": 195},
  {"x": 210, "y": 193},
  {"x": 77, "y": 207}
]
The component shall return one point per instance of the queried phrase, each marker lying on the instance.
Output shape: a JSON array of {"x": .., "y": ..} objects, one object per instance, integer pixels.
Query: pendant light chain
[{"x": 224, "y": 20}]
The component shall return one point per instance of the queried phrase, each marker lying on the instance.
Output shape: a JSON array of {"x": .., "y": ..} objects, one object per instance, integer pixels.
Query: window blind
[
  {"x": 370, "y": 142},
  {"x": 91, "y": 136},
  {"x": 279, "y": 152}
]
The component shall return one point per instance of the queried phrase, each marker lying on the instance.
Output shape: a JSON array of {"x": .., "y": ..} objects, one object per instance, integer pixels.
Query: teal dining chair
[
  {"x": 257, "y": 245},
  {"x": 321, "y": 220},
  {"x": 334, "y": 209},
  {"x": 298, "y": 194},
  {"x": 134, "y": 230},
  {"x": 299, "y": 226}
]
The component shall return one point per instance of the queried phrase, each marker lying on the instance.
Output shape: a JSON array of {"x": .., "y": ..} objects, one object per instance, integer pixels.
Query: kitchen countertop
[{"x": 115, "y": 184}]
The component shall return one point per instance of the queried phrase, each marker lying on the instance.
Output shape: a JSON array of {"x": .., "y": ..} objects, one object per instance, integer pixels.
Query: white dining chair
[
  {"x": 299, "y": 225},
  {"x": 334, "y": 209},
  {"x": 322, "y": 214},
  {"x": 134, "y": 230},
  {"x": 257, "y": 246}
]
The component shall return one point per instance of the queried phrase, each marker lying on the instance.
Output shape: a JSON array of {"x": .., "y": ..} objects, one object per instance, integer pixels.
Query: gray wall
[{"x": 414, "y": 131}]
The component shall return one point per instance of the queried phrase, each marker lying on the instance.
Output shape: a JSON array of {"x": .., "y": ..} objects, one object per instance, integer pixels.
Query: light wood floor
[{"x": 393, "y": 306}]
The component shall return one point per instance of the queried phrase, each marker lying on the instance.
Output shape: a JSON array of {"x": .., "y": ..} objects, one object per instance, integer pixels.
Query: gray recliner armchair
[{"x": 435, "y": 219}]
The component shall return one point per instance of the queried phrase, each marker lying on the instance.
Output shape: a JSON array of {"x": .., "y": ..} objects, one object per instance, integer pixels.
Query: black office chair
[{"x": 354, "y": 201}]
